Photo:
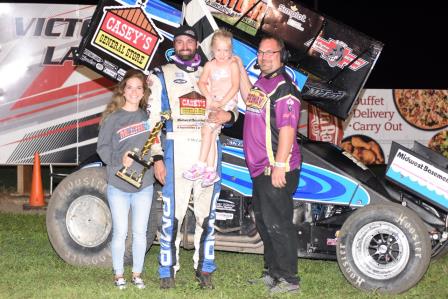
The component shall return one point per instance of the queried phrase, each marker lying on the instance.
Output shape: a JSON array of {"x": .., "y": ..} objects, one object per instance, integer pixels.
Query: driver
[{"x": 174, "y": 87}]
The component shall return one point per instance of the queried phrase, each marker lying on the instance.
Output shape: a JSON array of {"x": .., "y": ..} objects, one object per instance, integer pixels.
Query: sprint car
[
  {"x": 382, "y": 224},
  {"x": 382, "y": 232}
]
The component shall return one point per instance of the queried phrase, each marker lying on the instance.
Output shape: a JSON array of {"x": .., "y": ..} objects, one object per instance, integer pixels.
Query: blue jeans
[{"x": 140, "y": 204}]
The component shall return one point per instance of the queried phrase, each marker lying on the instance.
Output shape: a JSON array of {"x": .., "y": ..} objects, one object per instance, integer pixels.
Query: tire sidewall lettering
[
  {"x": 404, "y": 222},
  {"x": 412, "y": 232},
  {"x": 357, "y": 279},
  {"x": 83, "y": 182}
]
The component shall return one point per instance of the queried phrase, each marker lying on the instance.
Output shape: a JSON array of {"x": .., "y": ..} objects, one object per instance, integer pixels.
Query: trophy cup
[{"x": 132, "y": 176}]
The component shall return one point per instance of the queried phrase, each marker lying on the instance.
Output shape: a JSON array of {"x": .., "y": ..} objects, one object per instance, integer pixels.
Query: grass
[{"x": 31, "y": 269}]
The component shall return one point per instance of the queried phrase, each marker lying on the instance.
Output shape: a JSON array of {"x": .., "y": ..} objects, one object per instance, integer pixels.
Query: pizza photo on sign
[
  {"x": 364, "y": 149},
  {"x": 426, "y": 109},
  {"x": 439, "y": 143}
]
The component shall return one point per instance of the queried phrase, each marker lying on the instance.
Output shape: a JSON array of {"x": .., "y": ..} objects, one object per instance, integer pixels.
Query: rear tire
[{"x": 384, "y": 248}]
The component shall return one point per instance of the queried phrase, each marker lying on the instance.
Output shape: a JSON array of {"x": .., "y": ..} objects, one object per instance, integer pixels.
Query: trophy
[{"x": 132, "y": 176}]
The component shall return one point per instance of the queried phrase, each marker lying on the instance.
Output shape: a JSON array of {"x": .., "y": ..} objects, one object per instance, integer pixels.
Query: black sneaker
[
  {"x": 205, "y": 280},
  {"x": 167, "y": 283},
  {"x": 265, "y": 279},
  {"x": 282, "y": 286}
]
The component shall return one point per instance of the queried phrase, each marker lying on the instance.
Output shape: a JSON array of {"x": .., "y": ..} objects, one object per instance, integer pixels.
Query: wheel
[
  {"x": 384, "y": 248},
  {"x": 79, "y": 222}
]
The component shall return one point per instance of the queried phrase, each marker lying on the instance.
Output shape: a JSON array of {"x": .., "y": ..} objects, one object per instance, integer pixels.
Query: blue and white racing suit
[{"x": 175, "y": 89}]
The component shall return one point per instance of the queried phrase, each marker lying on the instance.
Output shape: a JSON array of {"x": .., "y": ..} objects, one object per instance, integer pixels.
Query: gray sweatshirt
[{"x": 120, "y": 132}]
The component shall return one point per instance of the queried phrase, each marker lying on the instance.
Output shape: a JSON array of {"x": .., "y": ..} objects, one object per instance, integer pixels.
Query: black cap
[{"x": 185, "y": 30}]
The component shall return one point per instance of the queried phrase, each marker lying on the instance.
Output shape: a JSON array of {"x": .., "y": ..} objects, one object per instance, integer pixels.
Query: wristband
[
  {"x": 280, "y": 164},
  {"x": 156, "y": 158}
]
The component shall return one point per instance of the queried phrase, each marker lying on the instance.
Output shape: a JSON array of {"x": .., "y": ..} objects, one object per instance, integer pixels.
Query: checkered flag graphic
[{"x": 196, "y": 14}]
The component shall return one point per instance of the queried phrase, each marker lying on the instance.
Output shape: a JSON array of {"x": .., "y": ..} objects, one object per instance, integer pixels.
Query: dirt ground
[{"x": 13, "y": 203}]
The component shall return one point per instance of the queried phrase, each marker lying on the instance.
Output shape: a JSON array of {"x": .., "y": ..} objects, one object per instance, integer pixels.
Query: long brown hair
[{"x": 118, "y": 99}]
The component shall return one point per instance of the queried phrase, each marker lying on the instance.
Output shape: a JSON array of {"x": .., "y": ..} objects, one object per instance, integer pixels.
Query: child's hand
[{"x": 215, "y": 105}]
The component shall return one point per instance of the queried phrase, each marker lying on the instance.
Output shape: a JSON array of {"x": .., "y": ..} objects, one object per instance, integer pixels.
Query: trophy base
[{"x": 129, "y": 179}]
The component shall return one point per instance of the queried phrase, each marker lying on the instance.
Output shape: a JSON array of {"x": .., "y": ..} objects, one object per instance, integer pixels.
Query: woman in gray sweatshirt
[{"x": 125, "y": 126}]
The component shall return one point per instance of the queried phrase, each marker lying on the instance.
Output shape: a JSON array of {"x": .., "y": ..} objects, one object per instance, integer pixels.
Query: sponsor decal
[
  {"x": 179, "y": 78},
  {"x": 331, "y": 242},
  {"x": 419, "y": 176},
  {"x": 224, "y": 216},
  {"x": 296, "y": 19},
  {"x": 322, "y": 126},
  {"x": 166, "y": 235},
  {"x": 128, "y": 34},
  {"x": 192, "y": 103},
  {"x": 133, "y": 130},
  {"x": 256, "y": 100},
  {"x": 180, "y": 81},
  {"x": 232, "y": 11},
  {"x": 169, "y": 53},
  {"x": 232, "y": 142},
  {"x": 336, "y": 53}
]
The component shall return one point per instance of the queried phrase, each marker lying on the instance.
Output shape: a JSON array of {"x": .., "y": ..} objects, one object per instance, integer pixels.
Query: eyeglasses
[{"x": 268, "y": 53}]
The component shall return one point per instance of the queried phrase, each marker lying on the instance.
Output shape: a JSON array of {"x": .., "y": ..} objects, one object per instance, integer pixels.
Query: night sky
[{"x": 413, "y": 55}]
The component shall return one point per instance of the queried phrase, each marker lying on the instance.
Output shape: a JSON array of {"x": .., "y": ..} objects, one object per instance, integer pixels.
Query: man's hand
[
  {"x": 160, "y": 171},
  {"x": 278, "y": 178},
  {"x": 219, "y": 116}
]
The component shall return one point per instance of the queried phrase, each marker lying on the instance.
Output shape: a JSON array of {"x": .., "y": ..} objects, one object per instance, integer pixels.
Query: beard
[{"x": 186, "y": 57}]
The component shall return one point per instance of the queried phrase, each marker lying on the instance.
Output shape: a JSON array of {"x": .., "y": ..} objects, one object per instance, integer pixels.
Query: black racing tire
[
  {"x": 79, "y": 222},
  {"x": 383, "y": 248}
]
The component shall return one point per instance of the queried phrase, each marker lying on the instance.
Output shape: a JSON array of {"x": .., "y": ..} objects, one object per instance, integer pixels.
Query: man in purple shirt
[{"x": 273, "y": 158}]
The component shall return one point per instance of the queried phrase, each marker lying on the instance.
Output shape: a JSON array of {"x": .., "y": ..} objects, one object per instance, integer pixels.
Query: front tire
[
  {"x": 79, "y": 222},
  {"x": 384, "y": 248}
]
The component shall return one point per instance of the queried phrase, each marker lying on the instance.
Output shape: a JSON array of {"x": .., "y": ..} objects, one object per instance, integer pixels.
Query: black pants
[{"x": 273, "y": 208}]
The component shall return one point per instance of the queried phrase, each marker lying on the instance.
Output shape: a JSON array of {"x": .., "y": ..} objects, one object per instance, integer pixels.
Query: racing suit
[{"x": 175, "y": 89}]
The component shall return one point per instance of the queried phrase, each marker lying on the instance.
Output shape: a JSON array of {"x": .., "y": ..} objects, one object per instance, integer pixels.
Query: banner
[
  {"x": 48, "y": 104},
  {"x": 381, "y": 116},
  {"x": 337, "y": 58}
]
